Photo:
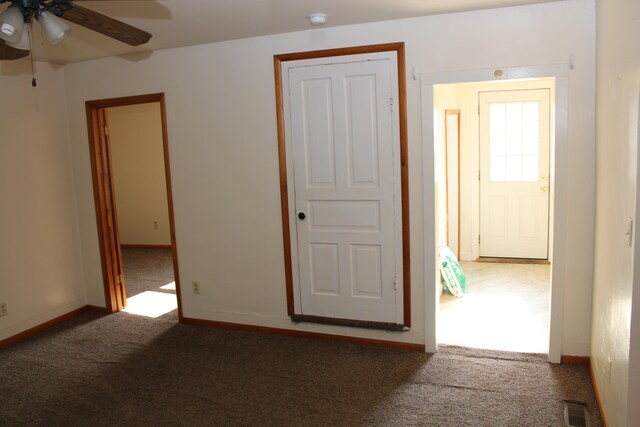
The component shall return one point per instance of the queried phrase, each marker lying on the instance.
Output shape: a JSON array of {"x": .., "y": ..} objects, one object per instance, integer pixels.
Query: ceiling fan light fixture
[
  {"x": 54, "y": 28},
  {"x": 11, "y": 23},
  {"x": 23, "y": 42}
]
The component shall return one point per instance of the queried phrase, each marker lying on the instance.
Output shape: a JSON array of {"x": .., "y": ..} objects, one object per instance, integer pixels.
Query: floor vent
[{"x": 575, "y": 414}]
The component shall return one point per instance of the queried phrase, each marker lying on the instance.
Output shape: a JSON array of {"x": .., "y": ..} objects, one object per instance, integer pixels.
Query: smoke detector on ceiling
[{"x": 316, "y": 19}]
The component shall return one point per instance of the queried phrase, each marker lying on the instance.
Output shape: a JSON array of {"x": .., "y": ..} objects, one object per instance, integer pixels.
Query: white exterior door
[
  {"x": 514, "y": 173},
  {"x": 346, "y": 165}
]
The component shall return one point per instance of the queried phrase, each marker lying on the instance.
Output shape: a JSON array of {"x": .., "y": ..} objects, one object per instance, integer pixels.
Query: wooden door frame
[
  {"x": 455, "y": 113},
  {"x": 404, "y": 160},
  {"x": 92, "y": 109}
]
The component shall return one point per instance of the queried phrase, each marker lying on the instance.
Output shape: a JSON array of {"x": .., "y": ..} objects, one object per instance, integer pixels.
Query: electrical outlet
[
  {"x": 196, "y": 287},
  {"x": 3, "y": 309}
]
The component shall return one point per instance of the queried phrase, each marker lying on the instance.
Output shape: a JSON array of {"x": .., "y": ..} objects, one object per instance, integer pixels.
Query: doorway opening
[
  {"x": 494, "y": 158},
  {"x": 134, "y": 209}
]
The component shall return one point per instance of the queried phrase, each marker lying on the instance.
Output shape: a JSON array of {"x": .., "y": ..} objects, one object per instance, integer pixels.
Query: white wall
[
  {"x": 223, "y": 148},
  {"x": 40, "y": 256},
  {"x": 616, "y": 299},
  {"x": 138, "y": 168}
]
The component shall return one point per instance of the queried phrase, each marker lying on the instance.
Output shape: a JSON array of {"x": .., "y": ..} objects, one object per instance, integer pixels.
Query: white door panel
[
  {"x": 318, "y": 133},
  {"x": 325, "y": 275},
  {"x": 363, "y": 215},
  {"x": 366, "y": 271},
  {"x": 346, "y": 167},
  {"x": 514, "y": 171}
]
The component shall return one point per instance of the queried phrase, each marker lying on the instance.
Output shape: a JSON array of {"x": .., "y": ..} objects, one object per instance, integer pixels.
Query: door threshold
[
  {"x": 297, "y": 318},
  {"x": 513, "y": 260}
]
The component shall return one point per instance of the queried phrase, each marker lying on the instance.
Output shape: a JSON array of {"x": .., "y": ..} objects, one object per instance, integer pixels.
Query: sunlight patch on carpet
[
  {"x": 169, "y": 286},
  {"x": 151, "y": 304}
]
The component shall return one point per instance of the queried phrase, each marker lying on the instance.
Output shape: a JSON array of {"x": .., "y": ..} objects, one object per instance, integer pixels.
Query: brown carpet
[
  {"x": 146, "y": 269},
  {"x": 128, "y": 370}
]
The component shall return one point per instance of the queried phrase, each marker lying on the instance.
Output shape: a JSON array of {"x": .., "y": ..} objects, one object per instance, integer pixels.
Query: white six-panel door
[
  {"x": 346, "y": 171},
  {"x": 514, "y": 173}
]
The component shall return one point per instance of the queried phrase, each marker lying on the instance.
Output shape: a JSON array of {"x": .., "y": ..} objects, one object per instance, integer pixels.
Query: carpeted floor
[
  {"x": 146, "y": 269},
  {"x": 130, "y": 370},
  {"x": 149, "y": 282}
]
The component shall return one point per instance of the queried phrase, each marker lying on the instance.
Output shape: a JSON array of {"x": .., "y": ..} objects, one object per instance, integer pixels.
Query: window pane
[
  {"x": 530, "y": 115},
  {"x": 497, "y": 168},
  {"x": 497, "y": 143},
  {"x": 514, "y": 142},
  {"x": 530, "y": 142},
  {"x": 514, "y": 168},
  {"x": 530, "y": 168},
  {"x": 496, "y": 116},
  {"x": 514, "y": 115}
]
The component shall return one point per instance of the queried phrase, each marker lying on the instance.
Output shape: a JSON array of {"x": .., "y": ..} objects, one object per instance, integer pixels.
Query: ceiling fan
[{"x": 16, "y": 20}]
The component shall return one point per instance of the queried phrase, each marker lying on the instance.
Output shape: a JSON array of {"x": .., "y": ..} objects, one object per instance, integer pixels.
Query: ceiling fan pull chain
[{"x": 33, "y": 70}]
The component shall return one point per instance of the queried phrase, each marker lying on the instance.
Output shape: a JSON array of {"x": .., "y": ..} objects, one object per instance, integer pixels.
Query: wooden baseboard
[
  {"x": 513, "y": 260},
  {"x": 603, "y": 415},
  {"x": 304, "y": 334},
  {"x": 46, "y": 325},
  {"x": 97, "y": 309},
  {"x": 586, "y": 361},
  {"x": 574, "y": 360},
  {"x": 143, "y": 246}
]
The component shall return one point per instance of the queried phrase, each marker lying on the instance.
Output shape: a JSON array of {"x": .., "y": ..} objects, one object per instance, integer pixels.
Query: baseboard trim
[
  {"x": 574, "y": 360},
  {"x": 586, "y": 361},
  {"x": 97, "y": 309},
  {"x": 603, "y": 415},
  {"x": 143, "y": 246},
  {"x": 49, "y": 324},
  {"x": 513, "y": 260},
  {"x": 305, "y": 334}
]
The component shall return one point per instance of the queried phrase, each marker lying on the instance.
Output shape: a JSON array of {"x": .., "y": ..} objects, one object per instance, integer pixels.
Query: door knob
[{"x": 301, "y": 215}]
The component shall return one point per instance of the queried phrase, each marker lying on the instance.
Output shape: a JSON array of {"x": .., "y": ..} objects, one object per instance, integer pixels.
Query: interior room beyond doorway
[
  {"x": 494, "y": 192},
  {"x": 506, "y": 307},
  {"x": 134, "y": 141}
]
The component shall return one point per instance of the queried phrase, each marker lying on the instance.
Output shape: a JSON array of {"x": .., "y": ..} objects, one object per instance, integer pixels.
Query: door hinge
[
  {"x": 105, "y": 131},
  {"x": 395, "y": 283},
  {"x": 478, "y": 109},
  {"x": 392, "y": 104},
  {"x": 478, "y": 175},
  {"x": 478, "y": 239},
  {"x": 119, "y": 279}
]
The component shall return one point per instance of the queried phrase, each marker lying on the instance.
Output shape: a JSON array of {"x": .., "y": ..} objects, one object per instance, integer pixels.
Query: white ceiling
[{"x": 175, "y": 23}]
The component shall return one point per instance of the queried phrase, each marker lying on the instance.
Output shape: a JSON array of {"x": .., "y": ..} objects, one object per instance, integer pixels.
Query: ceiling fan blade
[
  {"x": 10, "y": 53},
  {"x": 105, "y": 25}
]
